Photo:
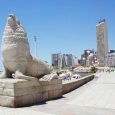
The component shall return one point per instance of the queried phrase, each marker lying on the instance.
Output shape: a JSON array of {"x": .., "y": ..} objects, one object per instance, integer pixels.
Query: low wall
[
  {"x": 17, "y": 92},
  {"x": 69, "y": 86}
]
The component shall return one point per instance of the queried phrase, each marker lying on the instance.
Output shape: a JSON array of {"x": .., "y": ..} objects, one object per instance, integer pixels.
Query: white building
[
  {"x": 110, "y": 59},
  {"x": 64, "y": 60},
  {"x": 89, "y": 58},
  {"x": 69, "y": 60},
  {"x": 102, "y": 42},
  {"x": 57, "y": 60}
]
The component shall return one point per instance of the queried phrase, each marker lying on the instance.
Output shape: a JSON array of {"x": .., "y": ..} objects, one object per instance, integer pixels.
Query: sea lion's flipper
[
  {"x": 49, "y": 77},
  {"x": 20, "y": 75}
]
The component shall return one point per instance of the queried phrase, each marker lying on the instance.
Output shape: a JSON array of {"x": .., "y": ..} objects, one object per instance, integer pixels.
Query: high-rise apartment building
[
  {"x": 64, "y": 60},
  {"x": 88, "y": 58},
  {"x": 102, "y": 42},
  {"x": 110, "y": 59},
  {"x": 57, "y": 60}
]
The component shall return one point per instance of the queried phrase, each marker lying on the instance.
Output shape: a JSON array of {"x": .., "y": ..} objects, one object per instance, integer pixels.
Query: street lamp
[{"x": 35, "y": 40}]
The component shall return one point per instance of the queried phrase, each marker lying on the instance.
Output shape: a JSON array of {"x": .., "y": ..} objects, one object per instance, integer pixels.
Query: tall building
[
  {"x": 110, "y": 58},
  {"x": 85, "y": 57},
  {"x": 64, "y": 60},
  {"x": 57, "y": 60},
  {"x": 71, "y": 60},
  {"x": 102, "y": 42}
]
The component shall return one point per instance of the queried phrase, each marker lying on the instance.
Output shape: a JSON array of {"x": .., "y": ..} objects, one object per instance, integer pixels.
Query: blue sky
[{"x": 68, "y": 26}]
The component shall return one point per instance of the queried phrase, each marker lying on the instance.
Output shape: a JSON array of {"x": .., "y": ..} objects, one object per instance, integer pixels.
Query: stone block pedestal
[{"x": 17, "y": 92}]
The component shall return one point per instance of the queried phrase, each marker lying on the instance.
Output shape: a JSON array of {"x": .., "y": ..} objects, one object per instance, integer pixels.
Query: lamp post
[{"x": 35, "y": 40}]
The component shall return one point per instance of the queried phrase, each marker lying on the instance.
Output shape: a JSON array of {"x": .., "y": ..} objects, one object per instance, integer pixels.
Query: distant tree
[{"x": 93, "y": 70}]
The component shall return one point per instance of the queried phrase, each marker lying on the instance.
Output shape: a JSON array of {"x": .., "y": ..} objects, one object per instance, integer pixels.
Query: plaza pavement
[{"x": 97, "y": 97}]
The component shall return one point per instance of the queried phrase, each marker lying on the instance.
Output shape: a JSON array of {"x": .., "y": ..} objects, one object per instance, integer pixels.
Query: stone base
[{"x": 17, "y": 92}]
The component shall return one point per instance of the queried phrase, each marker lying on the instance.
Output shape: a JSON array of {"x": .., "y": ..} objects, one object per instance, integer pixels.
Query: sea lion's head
[{"x": 11, "y": 21}]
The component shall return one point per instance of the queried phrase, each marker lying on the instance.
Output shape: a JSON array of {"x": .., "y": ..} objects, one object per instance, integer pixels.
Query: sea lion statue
[{"x": 17, "y": 60}]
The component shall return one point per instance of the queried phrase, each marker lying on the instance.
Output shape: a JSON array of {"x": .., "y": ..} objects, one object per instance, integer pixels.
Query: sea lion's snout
[
  {"x": 11, "y": 15},
  {"x": 11, "y": 20}
]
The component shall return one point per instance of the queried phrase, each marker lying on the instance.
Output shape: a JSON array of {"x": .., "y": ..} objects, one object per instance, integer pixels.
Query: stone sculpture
[{"x": 17, "y": 60}]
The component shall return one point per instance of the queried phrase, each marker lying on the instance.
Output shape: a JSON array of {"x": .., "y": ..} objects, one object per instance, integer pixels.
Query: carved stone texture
[
  {"x": 17, "y": 60},
  {"x": 20, "y": 92}
]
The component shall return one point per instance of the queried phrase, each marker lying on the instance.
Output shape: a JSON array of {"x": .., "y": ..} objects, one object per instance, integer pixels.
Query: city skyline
[{"x": 61, "y": 25}]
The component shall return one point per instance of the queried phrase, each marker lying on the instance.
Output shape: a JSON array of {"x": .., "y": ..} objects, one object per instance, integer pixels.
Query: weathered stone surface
[
  {"x": 67, "y": 87},
  {"x": 45, "y": 96},
  {"x": 6, "y": 101},
  {"x": 52, "y": 87},
  {"x": 49, "y": 77},
  {"x": 18, "y": 62},
  {"x": 27, "y": 84},
  {"x": 53, "y": 94},
  {"x": 24, "y": 100},
  {"x": 1, "y": 91},
  {"x": 10, "y": 83},
  {"x": 17, "y": 83},
  {"x": 8, "y": 92},
  {"x": 23, "y": 92},
  {"x": 54, "y": 81}
]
